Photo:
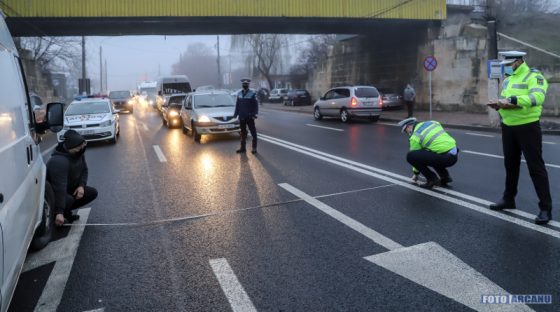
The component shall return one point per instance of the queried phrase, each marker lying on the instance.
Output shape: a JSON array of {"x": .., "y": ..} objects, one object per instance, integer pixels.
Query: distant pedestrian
[
  {"x": 67, "y": 173},
  {"x": 430, "y": 146},
  {"x": 520, "y": 107},
  {"x": 247, "y": 108},
  {"x": 409, "y": 98}
]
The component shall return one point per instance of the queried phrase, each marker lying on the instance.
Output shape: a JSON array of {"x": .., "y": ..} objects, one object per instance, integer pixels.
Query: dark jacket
[
  {"x": 246, "y": 105},
  {"x": 65, "y": 173}
]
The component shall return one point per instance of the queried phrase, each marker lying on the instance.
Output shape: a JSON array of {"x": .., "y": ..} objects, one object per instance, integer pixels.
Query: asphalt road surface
[{"x": 323, "y": 218}]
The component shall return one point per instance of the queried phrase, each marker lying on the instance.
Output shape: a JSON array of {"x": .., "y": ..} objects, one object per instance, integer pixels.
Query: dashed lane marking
[
  {"x": 159, "y": 154},
  {"x": 236, "y": 295},
  {"x": 502, "y": 157},
  {"x": 322, "y": 127},
  {"x": 480, "y": 134}
]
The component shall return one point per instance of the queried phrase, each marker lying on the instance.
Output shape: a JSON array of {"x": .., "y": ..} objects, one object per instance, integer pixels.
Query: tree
[
  {"x": 51, "y": 53},
  {"x": 313, "y": 54},
  {"x": 268, "y": 52},
  {"x": 199, "y": 63}
]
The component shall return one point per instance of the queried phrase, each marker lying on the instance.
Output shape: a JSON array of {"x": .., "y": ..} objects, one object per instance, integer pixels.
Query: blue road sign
[{"x": 430, "y": 63}]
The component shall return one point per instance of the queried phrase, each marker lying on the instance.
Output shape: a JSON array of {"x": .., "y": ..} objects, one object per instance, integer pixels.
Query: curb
[{"x": 452, "y": 126}]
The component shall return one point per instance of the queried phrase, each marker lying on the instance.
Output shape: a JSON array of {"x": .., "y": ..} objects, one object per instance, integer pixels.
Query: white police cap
[
  {"x": 245, "y": 80},
  {"x": 509, "y": 57},
  {"x": 405, "y": 122}
]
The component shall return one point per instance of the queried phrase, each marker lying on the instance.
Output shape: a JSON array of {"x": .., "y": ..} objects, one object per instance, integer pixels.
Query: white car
[
  {"x": 209, "y": 113},
  {"x": 94, "y": 118}
]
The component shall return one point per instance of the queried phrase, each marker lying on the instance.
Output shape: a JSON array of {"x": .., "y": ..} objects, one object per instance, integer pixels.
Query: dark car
[
  {"x": 297, "y": 97},
  {"x": 171, "y": 109},
  {"x": 391, "y": 99},
  {"x": 122, "y": 100}
]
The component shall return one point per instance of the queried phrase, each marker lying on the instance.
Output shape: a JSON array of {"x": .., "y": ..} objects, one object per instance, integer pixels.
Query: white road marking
[
  {"x": 54, "y": 289},
  {"x": 236, "y": 295},
  {"x": 322, "y": 127},
  {"x": 392, "y": 178},
  {"x": 96, "y": 310},
  {"x": 344, "y": 219},
  {"x": 387, "y": 124},
  {"x": 159, "y": 154},
  {"x": 479, "y": 134},
  {"x": 550, "y": 143},
  {"x": 428, "y": 264},
  {"x": 435, "y": 268},
  {"x": 48, "y": 151},
  {"x": 502, "y": 157}
]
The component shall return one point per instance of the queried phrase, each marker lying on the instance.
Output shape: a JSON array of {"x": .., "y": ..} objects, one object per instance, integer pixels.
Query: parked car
[
  {"x": 39, "y": 109},
  {"x": 391, "y": 99},
  {"x": 297, "y": 97},
  {"x": 94, "y": 118},
  {"x": 209, "y": 113},
  {"x": 171, "y": 110},
  {"x": 349, "y": 102},
  {"x": 26, "y": 198},
  {"x": 277, "y": 95},
  {"x": 122, "y": 100}
]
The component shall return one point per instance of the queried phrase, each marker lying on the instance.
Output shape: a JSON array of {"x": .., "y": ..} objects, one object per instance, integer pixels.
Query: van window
[
  {"x": 366, "y": 92},
  {"x": 176, "y": 87},
  {"x": 12, "y": 106}
]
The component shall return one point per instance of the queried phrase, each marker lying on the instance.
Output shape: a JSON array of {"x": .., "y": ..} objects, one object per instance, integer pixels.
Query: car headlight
[
  {"x": 203, "y": 119},
  {"x": 173, "y": 114},
  {"x": 130, "y": 102},
  {"x": 151, "y": 102},
  {"x": 106, "y": 123}
]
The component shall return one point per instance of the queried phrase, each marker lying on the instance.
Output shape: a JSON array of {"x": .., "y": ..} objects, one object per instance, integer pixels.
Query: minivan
[
  {"x": 26, "y": 199},
  {"x": 349, "y": 102}
]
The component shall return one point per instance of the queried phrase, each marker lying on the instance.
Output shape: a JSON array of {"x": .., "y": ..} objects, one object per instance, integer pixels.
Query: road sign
[
  {"x": 495, "y": 69},
  {"x": 430, "y": 63}
]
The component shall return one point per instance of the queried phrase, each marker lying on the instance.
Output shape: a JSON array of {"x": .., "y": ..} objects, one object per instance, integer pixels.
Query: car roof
[
  {"x": 209, "y": 92},
  {"x": 89, "y": 100}
]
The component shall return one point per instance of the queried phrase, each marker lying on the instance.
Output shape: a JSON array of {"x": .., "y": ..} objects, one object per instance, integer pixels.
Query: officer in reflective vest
[
  {"x": 520, "y": 107},
  {"x": 430, "y": 146},
  {"x": 247, "y": 108}
]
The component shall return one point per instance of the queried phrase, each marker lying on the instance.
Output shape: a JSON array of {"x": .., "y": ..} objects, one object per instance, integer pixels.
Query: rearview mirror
[{"x": 54, "y": 120}]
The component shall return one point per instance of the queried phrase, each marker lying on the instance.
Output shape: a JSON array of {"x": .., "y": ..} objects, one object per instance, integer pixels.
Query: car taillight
[
  {"x": 354, "y": 101},
  {"x": 380, "y": 101}
]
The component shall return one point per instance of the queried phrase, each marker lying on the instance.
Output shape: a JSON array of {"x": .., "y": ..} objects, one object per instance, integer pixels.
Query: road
[{"x": 321, "y": 219}]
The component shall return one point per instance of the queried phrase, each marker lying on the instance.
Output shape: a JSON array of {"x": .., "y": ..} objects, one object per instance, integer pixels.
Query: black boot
[
  {"x": 543, "y": 217},
  {"x": 445, "y": 181},
  {"x": 71, "y": 217},
  {"x": 503, "y": 204},
  {"x": 430, "y": 183},
  {"x": 241, "y": 150}
]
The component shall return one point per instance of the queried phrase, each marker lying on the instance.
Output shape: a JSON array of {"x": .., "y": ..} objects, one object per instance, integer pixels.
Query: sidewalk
[{"x": 461, "y": 120}]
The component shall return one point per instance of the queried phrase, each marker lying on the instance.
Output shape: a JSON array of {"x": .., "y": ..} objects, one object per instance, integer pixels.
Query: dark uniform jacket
[
  {"x": 246, "y": 105},
  {"x": 66, "y": 173}
]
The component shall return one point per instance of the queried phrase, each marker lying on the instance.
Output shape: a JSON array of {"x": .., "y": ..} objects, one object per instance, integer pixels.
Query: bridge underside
[{"x": 116, "y": 26}]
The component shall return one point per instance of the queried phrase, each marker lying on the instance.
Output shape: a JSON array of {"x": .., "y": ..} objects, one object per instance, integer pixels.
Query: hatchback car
[
  {"x": 297, "y": 97},
  {"x": 171, "y": 110},
  {"x": 277, "y": 95},
  {"x": 209, "y": 113},
  {"x": 122, "y": 100},
  {"x": 349, "y": 102},
  {"x": 391, "y": 99},
  {"x": 94, "y": 118},
  {"x": 39, "y": 109}
]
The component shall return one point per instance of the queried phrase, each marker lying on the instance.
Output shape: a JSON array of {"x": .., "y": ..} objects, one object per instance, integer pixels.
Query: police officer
[
  {"x": 247, "y": 108},
  {"x": 430, "y": 146},
  {"x": 520, "y": 107}
]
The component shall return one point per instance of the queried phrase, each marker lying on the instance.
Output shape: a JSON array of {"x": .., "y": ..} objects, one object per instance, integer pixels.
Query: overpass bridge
[{"x": 184, "y": 17}]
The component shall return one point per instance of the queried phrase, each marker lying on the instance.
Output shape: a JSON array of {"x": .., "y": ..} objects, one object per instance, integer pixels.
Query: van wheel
[
  {"x": 44, "y": 232},
  {"x": 344, "y": 116},
  {"x": 317, "y": 114},
  {"x": 195, "y": 134}
]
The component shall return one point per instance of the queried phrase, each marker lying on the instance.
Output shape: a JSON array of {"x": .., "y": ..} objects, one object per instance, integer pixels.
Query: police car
[{"x": 94, "y": 118}]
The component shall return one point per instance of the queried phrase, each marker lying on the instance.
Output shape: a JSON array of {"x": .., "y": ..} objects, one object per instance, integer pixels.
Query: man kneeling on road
[
  {"x": 67, "y": 173},
  {"x": 430, "y": 146}
]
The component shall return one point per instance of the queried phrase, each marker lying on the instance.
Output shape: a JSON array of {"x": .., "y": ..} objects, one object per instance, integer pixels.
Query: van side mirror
[{"x": 54, "y": 120}]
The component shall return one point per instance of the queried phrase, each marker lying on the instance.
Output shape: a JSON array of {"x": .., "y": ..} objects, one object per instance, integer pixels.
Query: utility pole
[
  {"x": 218, "y": 60},
  {"x": 493, "y": 84},
  {"x": 83, "y": 57},
  {"x": 100, "y": 69},
  {"x": 106, "y": 80}
]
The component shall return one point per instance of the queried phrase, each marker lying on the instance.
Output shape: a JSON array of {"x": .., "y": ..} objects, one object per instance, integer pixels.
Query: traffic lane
[{"x": 385, "y": 147}]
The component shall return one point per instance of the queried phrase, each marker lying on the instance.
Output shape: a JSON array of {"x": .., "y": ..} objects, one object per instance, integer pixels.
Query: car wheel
[
  {"x": 374, "y": 118},
  {"x": 317, "y": 114},
  {"x": 44, "y": 232},
  {"x": 344, "y": 116},
  {"x": 195, "y": 134}
]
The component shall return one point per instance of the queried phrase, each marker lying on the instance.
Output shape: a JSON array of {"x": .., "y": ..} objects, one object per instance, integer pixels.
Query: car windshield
[
  {"x": 366, "y": 92},
  {"x": 213, "y": 100},
  {"x": 301, "y": 92},
  {"x": 88, "y": 108},
  {"x": 178, "y": 87},
  {"x": 119, "y": 94},
  {"x": 148, "y": 90},
  {"x": 176, "y": 100}
]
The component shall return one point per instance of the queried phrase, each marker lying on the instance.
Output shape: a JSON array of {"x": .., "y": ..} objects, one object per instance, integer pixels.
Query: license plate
[
  {"x": 86, "y": 132},
  {"x": 368, "y": 103},
  {"x": 226, "y": 126}
]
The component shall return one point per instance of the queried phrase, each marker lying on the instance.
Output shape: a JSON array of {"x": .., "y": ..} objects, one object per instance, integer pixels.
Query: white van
[
  {"x": 170, "y": 85},
  {"x": 26, "y": 200}
]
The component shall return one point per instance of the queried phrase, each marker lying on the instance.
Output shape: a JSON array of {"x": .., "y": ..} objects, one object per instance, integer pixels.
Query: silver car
[
  {"x": 349, "y": 102},
  {"x": 208, "y": 113}
]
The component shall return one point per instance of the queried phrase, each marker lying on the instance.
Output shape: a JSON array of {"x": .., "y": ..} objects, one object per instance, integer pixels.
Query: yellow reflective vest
[{"x": 527, "y": 89}]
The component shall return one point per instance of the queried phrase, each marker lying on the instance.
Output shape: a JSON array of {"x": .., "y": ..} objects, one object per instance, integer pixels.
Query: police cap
[
  {"x": 405, "y": 122},
  {"x": 245, "y": 80},
  {"x": 509, "y": 57}
]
